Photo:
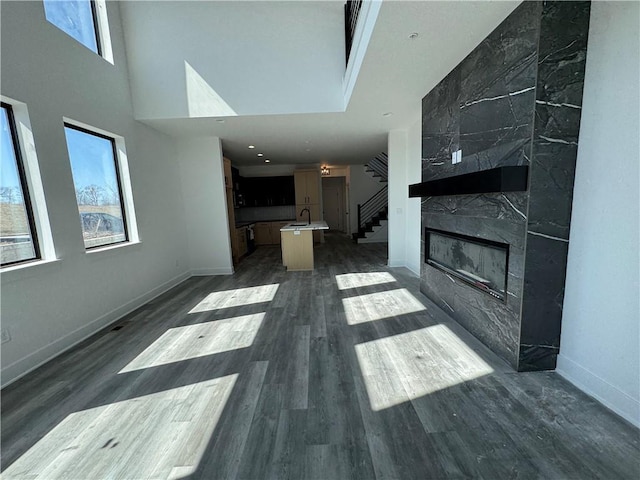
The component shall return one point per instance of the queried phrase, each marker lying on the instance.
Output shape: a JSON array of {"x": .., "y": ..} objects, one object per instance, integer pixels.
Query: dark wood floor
[{"x": 344, "y": 372}]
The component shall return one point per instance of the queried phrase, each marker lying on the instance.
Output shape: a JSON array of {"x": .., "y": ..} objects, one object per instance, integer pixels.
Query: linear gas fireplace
[{"x": 479, "y": 263}]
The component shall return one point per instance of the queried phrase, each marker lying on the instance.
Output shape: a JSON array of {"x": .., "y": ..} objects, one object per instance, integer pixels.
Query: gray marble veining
[
  {"x": 514, "y": 100},
  {"x": 562, "y": 52}
]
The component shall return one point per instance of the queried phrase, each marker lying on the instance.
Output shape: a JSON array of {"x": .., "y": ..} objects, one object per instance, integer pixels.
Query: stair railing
[
  {"x": 351, "y": 11},
  {"x": 372, "y": 207},
  {"x": 379, "y": 166}
]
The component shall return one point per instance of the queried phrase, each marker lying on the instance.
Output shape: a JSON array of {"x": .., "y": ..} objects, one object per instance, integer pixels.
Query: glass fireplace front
[{"x": 477, "y": 262}]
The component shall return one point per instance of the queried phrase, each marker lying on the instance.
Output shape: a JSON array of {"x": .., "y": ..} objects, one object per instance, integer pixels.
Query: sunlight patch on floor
[
  {"x": 376, "y": 306},
  {"x": 236, "y": 298},
  {"x": 354, "y": 280},
  {"x": 193, "y": 341},
  {"x": 160, "y": 435},
  {"x": 410, "y": 365}
]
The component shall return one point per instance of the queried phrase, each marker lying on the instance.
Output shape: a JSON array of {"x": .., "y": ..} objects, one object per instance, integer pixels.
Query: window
[
  {"x": 96, "y": 178},
  {"x": 77, "y": 18},
  {"x": 18, "y": 242}
]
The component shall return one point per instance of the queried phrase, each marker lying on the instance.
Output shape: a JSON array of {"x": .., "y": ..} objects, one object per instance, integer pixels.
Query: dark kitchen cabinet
[
  {"x": 283, "y": 191},
  {"x": 235, "y": 176},
  {"x": 268, "y": 191}
]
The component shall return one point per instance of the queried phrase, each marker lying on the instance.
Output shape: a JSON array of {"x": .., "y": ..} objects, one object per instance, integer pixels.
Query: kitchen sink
[{"x": 298, "y": 224}]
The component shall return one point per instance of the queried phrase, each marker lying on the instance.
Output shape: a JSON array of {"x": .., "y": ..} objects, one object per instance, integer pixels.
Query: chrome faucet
[{"x": 309, "y": 214}]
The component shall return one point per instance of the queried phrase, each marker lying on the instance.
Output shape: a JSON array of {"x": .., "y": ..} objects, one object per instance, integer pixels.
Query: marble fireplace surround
[{"x": 514, "y": 101}]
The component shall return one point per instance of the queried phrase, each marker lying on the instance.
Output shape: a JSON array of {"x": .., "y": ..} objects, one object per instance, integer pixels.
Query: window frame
[
  {"x": 101, "y": 30},
  {"x": 96, "y": 27},
  {"x": 26, "y": 195},
  {"x": 116, "y": 162}
]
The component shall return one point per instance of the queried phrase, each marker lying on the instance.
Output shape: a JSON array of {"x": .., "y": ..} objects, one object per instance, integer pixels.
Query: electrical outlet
[{"x": 5, "y": 335}]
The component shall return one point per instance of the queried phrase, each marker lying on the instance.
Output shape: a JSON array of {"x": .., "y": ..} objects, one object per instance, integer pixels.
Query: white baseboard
[
  {"x": 34, "y": 360},
  {"x": 396, "y": 263},
  {"x": 205, "y": 272},
  {"x": 399, "y": 265},
  {"x": 417, "y": 274},
  {"x": 413, "y": 272},
  {"x": 609, "y": 395}
]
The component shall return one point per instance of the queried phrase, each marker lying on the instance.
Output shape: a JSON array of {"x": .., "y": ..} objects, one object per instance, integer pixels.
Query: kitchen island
[{"x": 297, "y": 244}]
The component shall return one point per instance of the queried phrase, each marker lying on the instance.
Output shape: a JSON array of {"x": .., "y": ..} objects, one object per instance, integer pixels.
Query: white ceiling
[{"x": 396, "y": 73}]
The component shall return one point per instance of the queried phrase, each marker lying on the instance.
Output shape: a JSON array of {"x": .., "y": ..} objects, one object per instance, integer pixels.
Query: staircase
[{"x": 372, "y": 214}]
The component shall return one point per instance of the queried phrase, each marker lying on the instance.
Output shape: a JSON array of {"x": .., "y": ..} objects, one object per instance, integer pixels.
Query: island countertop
[{"x": 317, "y": 225}]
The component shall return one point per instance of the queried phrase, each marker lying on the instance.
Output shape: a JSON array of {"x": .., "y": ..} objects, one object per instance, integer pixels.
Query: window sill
[
  {"x": 112, "y": 248},
  {"x": 23, "y": 270}
]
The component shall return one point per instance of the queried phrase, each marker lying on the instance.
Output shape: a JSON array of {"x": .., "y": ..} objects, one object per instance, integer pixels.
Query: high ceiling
[{"x": 396, "y": 73}]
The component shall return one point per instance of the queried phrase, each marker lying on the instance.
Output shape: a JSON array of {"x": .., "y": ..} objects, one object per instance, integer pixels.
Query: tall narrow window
[
  {"x": 18, "y": 241},
  {"x": 77, "y": 18},
  {"x": 97, "y": 182}
]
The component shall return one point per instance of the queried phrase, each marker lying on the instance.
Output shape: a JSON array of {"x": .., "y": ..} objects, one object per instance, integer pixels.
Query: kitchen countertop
[
  {"x": 244, "y": 224},
  {"x": 320, "y": 225}
]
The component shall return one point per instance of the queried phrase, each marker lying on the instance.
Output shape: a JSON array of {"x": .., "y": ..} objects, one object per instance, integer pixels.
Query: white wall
[
  {"x": 600, "y": 344},
  {"x": 205, "y": 208},
  {"x": 405, "y": 154},
  {"x": 49, "y": 307},
  {"x": 398, "y": 191},
  {"x": 362, "y": 186},
  {"x": 244, "y": 58}
]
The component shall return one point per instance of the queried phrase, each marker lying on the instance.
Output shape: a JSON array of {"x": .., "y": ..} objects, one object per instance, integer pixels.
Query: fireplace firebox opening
[{"x": 480, "y": 263}]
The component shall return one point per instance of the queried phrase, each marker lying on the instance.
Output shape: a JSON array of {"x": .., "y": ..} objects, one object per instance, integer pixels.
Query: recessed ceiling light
[
  {"x": 220, "y": 120},
  {"x": 307, "y": 149},
  {"x": 387, "y": 114},
  {"x": 252, "y": 146},
  {"x": 413, "y": 35},
  {"x": 266, "y": 160},
  {"x": 261, "y": 154}
]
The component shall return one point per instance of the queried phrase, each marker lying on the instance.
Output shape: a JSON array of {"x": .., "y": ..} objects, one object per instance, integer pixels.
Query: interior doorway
[{"x": 334, "y": 203}]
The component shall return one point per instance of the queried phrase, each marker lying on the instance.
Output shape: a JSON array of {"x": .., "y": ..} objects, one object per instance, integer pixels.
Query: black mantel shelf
[{"x": 500, "y": 179}]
